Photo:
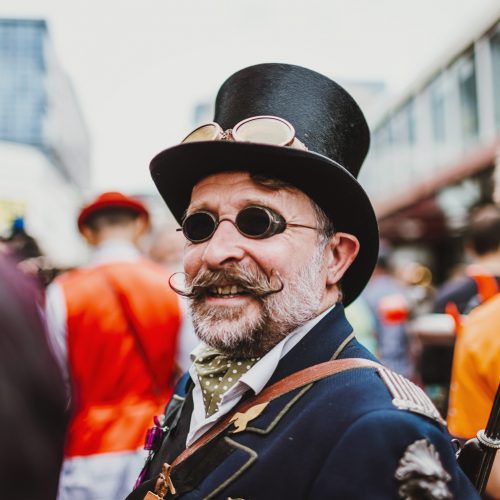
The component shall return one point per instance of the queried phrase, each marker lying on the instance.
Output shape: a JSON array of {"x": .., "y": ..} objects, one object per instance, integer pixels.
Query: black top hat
[{"x": 326, "y": 119}]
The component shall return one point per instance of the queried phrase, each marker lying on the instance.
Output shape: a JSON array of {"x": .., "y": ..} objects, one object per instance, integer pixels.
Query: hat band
[{"x": 271, "y": 130}]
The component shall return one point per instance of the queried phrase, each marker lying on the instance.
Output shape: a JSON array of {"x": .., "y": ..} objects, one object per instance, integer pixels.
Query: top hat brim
[{"x": 176, "y": 170}]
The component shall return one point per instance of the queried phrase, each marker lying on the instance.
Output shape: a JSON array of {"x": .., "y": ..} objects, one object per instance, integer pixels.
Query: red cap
[{"x": 110, "y": 200}]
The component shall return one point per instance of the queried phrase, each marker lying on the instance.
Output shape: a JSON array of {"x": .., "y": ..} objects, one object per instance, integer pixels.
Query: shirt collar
[{"x": 113, "y": 250}]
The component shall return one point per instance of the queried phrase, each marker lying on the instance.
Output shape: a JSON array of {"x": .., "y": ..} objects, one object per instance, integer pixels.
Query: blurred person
[
  {"x": 476, "y": 376},
  {"x": 33, "y": 413},
  {"x": 114, "y": 324},
  {"x": 21, "y": 245},
  {"x": 25, "y": 250},
  {"x": 280, "y": 235},
  {"x": 462, "y": 293},
  {"x": 388, "y": 300},
  {"x": 167, "y": 248},
  {"x": 363, "y": 322},
  {"x": 482, "y": 275},
  {"x": 419, "y": 280}
]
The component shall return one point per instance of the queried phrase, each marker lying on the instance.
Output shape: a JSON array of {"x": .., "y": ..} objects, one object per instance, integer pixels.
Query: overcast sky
[{"x": 139, "y": 67}]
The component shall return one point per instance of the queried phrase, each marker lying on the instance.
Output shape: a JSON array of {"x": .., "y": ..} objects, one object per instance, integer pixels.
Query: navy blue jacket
[{"x": 341, "y": 438}]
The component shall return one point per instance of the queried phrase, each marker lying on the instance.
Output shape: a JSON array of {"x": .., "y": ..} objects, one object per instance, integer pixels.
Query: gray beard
[{"x": 230, "y": 331}]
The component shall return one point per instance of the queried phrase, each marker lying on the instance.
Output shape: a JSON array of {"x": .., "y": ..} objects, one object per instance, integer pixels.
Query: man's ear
[
  {"x": 140, "y": 228},
  {"x": 89, "y": 235},
  {"x": 342, "y": 249}
]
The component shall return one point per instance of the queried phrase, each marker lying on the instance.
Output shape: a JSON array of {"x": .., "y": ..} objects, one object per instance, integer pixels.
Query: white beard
[{"x": 238, "y": 331}]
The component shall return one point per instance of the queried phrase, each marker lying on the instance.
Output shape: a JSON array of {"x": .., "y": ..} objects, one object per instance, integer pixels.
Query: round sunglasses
[{"x": 253, "y": 222}]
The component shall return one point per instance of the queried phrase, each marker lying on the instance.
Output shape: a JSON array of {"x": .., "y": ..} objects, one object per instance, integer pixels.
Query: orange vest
[
  {"x": 476, "y": 370},
  {"x": 120, "y": 379},
  {"x": 487, "y": 287}
]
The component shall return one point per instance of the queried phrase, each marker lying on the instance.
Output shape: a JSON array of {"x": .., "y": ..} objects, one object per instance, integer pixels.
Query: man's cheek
[{"x": 192, "y": 261}]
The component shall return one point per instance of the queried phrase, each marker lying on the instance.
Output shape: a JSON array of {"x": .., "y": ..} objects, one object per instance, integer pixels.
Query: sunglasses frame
[{"x": 277, "y": 224}]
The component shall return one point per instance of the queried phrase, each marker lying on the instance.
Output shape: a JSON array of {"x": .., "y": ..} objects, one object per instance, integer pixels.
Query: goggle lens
[
  {"x": 252, "y": 222},
  {"x": 264, "y": 130},
  {"x": 199, "y": 226},
  {"x": 208, "y": 132}
]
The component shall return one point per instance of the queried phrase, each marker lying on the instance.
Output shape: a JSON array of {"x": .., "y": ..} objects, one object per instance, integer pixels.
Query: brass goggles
[
  {"x": 252, "y": 222},
  {"x": 257, "y": 129}
]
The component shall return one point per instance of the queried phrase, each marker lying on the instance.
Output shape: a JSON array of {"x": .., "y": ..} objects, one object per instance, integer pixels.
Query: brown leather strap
[{"x": 293, "y": 381}]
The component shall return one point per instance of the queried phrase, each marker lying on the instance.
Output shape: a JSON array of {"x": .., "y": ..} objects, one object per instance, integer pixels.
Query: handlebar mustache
[{"x": 254, "y": 282}]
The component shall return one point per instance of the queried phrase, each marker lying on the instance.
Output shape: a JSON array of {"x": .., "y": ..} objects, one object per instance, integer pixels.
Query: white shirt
[{"x": 256, "y": 379}]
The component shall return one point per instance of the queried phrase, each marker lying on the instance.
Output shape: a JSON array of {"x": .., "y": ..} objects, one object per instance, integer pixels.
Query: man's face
[{"x": 226, "y": 315}]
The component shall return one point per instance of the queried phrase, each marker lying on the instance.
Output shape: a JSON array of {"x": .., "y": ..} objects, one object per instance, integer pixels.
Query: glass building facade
[
  {"x": 22, "y": 94},
  {"x": 37, "y": 103},
  {"x": 452, "y": 114},
  {"x": 495, "y": 58},
  {"x": 44, "y": 143}
]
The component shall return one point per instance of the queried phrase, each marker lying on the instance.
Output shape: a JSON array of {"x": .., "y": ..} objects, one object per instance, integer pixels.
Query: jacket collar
[{"x": 317, "y": 346}]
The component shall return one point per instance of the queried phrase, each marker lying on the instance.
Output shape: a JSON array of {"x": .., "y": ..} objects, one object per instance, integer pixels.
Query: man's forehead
[
  {"x": 226, "y": 178},
  {"x": 240, "y": 186},
  {"x": 242, "y": 180}
]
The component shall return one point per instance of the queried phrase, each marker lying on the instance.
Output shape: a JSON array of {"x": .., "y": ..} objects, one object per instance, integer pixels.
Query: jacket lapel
[{"x": 317, "y": 346}]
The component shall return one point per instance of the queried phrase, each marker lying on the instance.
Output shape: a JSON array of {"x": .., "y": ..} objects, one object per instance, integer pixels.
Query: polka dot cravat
[{"x": 217, "y": 374}]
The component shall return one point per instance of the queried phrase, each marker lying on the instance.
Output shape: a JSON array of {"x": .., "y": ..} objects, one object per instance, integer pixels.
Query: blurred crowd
[{"x": 90, "y": 355}]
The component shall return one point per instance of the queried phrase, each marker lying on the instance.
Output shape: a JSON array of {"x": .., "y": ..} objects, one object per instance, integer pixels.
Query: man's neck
[
  {"x": 490, "y": 262},
  {"x": 114, "y": 250}
]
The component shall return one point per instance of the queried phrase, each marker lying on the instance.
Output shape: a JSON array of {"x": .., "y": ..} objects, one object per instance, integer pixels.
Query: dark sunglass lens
[
  {"x": 254, "y": 222},
  {"x": 198, "y": 226}
]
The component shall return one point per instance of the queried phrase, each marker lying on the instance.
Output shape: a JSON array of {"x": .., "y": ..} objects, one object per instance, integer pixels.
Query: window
[
  {"x": 495, "y": 63},
  {"x": 22, "y": 85},
  {"x": 438, "y": 109},
  {"x": 403, "y": 125},
  {"x": 468, "y": 98}
]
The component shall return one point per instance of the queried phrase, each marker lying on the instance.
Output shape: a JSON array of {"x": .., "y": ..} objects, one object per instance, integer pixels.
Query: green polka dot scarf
[{"x": 217, "y": 374}]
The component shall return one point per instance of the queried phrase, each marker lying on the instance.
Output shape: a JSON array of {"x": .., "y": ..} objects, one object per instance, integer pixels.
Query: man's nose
[{"x": 225, "y": 246}]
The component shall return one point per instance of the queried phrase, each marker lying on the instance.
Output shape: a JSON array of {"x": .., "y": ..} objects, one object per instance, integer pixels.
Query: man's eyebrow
[
  {"x": 256, "y": 201},
  {"x": 193, "y": 208},
  {"x": 242, "y": 203}
]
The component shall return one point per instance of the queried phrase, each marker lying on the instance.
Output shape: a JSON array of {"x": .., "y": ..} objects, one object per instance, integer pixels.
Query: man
[
  {"x": 167, "y": 248},
  {"x": 476, "y": 377},
  {"x": 279, "y": 233},
  {"x": 482, "y": 277},
  {"x": 387, "y": 298},
  {"x": 33, "y": 416},
  {"x": 114, "y": 325},
  {"x": 457, "y": 297}
]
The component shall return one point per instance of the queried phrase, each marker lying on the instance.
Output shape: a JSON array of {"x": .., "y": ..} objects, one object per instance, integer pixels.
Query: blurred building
[
  {"x": 44, "y": 143},
  {"x": 435, "y": 148}
]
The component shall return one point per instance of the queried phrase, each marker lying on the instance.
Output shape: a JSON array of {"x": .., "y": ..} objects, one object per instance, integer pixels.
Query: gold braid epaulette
[{"x": 408, "y": 396}]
